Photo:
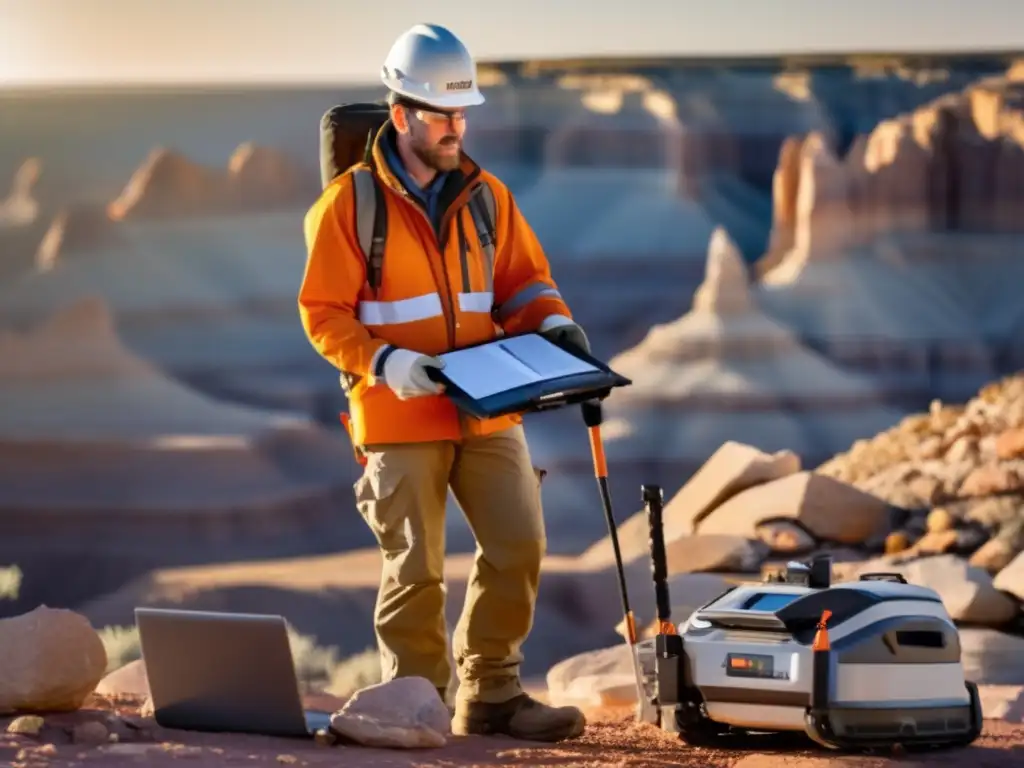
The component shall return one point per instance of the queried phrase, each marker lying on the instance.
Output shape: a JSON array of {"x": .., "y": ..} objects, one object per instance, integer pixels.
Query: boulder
[
  {"x": 992, "y": 658},
  {"x": 733, "y": 468},
  {"x": 602, "y": 677},
  {"x": 52, "y": 659},
  {"x": 1003, "y": 702},
  {"x": 827, "y": 508},
  {"x": 1010, "y": 579},
  {"x": 1010, "y": 444},
  {"x": 406, "y": 713},
  {"x": 992, "y": 557},
  {"x": 129, "y": 679},
  {"x": 713, "y": 553},
  {"x": 967, "y": 592},
  {"x": 784, "y": 537}
]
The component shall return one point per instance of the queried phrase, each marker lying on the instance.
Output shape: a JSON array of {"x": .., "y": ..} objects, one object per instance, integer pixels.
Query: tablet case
[{"x": 541, "y": 396}]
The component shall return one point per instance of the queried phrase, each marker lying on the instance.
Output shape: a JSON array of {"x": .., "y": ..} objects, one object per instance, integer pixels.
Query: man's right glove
[{"x": 405, "y": 372}]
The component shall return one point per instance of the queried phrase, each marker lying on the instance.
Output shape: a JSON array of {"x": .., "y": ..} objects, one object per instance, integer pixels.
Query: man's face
[{"x": 437, "y": 137}]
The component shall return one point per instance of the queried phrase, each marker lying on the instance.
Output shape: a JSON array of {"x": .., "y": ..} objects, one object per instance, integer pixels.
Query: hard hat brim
[{"x": 459, "y": 100}]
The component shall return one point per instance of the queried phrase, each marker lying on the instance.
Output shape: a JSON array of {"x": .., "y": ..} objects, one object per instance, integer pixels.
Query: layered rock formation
[
  {"x": 899, "y": 256},
  {"x": 21, "y": 207},
  {"x": 211, "y": 300},
  {"x": 725, "y": 370},
  {"x": 168, "y": 184},
  {"x": 20, "y": 219},
  {"x": 75, "y": 230},
  {"x": 109, "y": 468}
]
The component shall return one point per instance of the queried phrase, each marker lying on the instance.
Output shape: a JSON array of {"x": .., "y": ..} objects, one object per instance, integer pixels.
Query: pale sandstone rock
[
  {"x": 785, "y": 537},
  {"x": 77, "y": 228},
  {"x": 936, "y": 542},
  {"x": 732, "y": 469},
  {"x": 966, "y": 591},
  {"x": 993, "y": 479},
  {"x": 406, "y": 713},
  {"x": 602, "y": 677},
  {"x": 992, "y": 658},
  {"x": 829, "y": 509},
  {"x": 21, "y": 207},
  {"x": 26, "y": 725},
  {"x": 992, "y": 557},
  {"x": 129, "y": 679},
  {"x": 52, "y": 659},
  {"x": 996, "y": 511},
  {"x": 168, "y": 184},
  {"x": 712, "y": 553},
  {"x": 260, "y": 176},
  {"x": 1002, "y": 702},
  {"x": 1011, "y": 578}
]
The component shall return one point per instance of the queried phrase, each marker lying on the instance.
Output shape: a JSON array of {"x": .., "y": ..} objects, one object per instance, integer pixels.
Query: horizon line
[{"x": 821, "y": 58}]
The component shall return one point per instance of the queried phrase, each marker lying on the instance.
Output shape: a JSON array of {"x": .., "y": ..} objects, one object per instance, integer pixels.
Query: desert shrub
[
  {"x": 122, "y": 646},
  {"x": 355, "y": 672},
  {"x": 313, "y": 663},
  {"x": 10, "y": 582}
]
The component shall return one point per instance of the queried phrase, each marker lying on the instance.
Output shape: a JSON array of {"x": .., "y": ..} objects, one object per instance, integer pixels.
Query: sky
[{"x": 100, "y": 42}]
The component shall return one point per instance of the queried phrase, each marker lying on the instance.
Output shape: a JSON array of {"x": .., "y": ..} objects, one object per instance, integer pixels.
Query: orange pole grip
[
  {"x": 597, "y": 449},
  {"x": 821, "y": 641}
]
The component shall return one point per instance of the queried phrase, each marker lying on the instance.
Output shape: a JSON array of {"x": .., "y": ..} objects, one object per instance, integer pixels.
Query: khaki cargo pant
[{"x": 402, "y": 496}]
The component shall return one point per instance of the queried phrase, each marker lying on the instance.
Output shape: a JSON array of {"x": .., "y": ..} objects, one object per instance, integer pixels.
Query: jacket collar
[{"x": 454, "y": 189}]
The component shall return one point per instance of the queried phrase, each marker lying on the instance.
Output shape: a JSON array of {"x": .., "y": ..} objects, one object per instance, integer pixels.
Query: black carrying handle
[{"x": 653, "y": 501}]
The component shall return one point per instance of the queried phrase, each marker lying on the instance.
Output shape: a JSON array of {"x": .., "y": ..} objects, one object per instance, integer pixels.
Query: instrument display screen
[
  {"x": 749, "y": 665},
  {"x": 771, "y": 601}
]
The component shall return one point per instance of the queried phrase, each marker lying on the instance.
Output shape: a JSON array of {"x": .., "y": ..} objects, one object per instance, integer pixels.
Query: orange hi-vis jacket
[{"x": 438, "y": 292}]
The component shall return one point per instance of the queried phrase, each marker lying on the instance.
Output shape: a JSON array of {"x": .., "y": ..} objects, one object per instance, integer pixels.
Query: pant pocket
[{"x": 378, "y": 499}]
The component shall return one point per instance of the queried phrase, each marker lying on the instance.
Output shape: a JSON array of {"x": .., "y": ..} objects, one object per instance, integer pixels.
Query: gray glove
[{"x": 564, "y": 332}]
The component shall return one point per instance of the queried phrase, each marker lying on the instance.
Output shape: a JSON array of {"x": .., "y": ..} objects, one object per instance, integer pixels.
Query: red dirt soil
[{"x": 611, "y": 739}]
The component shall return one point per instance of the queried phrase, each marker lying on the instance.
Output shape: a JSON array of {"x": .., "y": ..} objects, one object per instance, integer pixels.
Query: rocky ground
[
  {"x": 110, "y": 731},
  {"x": 956, "y": 475},
  {"x": 940, "y": 498}
]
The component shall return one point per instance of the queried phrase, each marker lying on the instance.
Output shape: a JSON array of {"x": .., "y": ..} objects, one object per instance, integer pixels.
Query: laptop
[{"x": 223, "y": 672}]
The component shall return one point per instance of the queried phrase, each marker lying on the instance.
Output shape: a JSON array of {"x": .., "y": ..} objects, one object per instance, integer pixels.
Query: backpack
[{"x": 347, "y": 132}]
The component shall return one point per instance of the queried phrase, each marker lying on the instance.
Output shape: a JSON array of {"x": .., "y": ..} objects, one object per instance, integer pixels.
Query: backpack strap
[
  {"x": 483, "y": 207},
  {"x": 371, "y": 223}
]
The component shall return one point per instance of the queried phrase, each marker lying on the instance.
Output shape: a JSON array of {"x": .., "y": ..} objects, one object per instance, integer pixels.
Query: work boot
[{"x": 521, "y": 717}]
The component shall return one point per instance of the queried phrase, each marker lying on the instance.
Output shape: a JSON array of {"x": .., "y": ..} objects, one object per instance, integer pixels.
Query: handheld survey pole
[
  {"x": 653, "y": 501},
  {"x": 592, "y": 417}
]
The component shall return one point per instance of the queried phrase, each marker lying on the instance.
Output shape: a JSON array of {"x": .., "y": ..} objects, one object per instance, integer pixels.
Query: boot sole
[{"x": 553, "y": 734}]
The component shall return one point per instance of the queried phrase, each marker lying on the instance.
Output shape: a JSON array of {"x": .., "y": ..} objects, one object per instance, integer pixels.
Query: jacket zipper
[{"x": 450, "y": 325}]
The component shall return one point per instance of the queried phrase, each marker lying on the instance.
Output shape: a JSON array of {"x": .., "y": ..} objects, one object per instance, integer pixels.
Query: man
[{"x": 439, "y": 291}]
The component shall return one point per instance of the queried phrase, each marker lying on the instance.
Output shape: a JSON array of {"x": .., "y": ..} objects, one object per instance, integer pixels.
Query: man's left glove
[{"x": 559, "y": 329}]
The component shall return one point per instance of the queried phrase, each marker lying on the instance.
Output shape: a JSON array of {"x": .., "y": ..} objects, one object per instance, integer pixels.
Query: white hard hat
[{"x": 429, "y": 64}]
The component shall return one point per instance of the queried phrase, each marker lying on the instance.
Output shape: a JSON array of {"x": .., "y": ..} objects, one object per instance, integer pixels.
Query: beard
[{"x": 432, "y": 155}]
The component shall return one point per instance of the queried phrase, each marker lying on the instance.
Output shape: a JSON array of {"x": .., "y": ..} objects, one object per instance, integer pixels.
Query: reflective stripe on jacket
[{"x": 438, "y": 292}]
